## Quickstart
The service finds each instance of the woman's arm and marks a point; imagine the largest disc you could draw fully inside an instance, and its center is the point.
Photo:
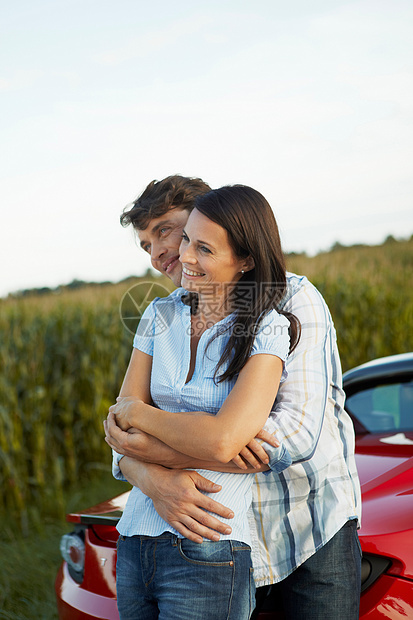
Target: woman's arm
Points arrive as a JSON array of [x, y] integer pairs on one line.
[[136, 384], [178, 496], [217, 437], [137, 381], [143, 447]]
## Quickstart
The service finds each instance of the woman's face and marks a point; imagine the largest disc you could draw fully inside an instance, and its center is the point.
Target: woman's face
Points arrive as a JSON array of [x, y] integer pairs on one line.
[[208, 261]]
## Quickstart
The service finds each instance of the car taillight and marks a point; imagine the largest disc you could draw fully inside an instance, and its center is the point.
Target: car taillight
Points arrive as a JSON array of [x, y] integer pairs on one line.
[[72, 548]]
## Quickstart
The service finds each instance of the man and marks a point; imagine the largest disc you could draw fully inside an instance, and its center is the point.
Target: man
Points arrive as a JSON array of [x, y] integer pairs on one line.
[[304, 518]]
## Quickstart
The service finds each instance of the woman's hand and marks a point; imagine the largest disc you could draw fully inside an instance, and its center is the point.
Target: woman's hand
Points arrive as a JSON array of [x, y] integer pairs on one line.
[[126, 412], [132, 443], [143, 447]]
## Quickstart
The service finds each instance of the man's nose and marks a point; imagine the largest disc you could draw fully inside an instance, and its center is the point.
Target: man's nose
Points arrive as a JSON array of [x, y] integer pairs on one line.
[[158, 249]]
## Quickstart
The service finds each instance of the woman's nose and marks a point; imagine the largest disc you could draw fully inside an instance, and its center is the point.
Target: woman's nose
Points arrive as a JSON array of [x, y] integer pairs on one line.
[[186, 254]]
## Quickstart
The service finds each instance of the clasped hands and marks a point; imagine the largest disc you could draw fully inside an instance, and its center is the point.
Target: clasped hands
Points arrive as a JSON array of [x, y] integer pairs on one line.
[[123, 436], [124, 409]]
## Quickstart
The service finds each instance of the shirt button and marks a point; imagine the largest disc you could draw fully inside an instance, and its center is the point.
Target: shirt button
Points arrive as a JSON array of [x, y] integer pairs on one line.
[[178, 400]]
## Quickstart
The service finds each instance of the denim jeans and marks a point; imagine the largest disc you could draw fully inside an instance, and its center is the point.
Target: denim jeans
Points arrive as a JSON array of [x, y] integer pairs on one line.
[[326, 586], [171, 578]]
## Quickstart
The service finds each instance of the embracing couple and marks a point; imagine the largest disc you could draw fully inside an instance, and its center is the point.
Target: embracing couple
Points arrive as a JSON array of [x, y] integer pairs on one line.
[[230, 425]]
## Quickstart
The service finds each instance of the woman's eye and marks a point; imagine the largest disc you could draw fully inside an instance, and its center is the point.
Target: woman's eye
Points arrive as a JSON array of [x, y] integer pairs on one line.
[[184, 237], [205, 250]]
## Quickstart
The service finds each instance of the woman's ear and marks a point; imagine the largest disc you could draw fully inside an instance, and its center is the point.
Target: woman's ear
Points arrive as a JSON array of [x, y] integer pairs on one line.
[[248, 264]]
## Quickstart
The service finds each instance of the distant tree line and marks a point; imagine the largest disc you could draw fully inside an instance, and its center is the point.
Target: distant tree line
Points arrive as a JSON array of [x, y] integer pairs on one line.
[[150, 273], [76, 285]]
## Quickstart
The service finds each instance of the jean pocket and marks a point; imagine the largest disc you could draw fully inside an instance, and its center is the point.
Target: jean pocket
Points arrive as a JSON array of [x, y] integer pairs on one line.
[[206, 553]]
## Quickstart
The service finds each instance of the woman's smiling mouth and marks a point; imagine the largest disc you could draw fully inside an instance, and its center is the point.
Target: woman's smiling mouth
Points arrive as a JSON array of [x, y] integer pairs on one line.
[[190, 273]]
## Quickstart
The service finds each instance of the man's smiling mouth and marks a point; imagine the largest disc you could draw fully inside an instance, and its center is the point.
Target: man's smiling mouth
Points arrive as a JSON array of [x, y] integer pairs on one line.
[[170, 263]]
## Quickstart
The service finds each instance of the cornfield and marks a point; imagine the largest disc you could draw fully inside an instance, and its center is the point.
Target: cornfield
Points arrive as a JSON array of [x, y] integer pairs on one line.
[[369, 291], [63, 358]]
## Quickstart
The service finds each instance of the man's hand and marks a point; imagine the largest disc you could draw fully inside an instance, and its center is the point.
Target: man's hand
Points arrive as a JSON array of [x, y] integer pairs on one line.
[[254, 453], [181, 503], [178, 498]]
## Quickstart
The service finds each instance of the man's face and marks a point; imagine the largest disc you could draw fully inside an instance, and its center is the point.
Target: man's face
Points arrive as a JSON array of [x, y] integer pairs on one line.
[[161, 239]]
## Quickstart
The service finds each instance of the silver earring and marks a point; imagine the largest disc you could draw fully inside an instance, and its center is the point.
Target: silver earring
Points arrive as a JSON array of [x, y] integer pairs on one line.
[[242, 271]]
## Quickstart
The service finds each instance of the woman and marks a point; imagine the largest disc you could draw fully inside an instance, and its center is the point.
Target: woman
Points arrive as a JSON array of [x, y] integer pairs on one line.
[[210, 358]]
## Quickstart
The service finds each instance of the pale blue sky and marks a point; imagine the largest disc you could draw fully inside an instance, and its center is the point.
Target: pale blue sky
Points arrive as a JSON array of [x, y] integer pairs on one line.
[[309, 102]]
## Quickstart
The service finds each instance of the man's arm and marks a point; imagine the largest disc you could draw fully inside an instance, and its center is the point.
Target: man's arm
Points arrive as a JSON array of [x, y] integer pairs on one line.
[[178, 497], [314, 378]]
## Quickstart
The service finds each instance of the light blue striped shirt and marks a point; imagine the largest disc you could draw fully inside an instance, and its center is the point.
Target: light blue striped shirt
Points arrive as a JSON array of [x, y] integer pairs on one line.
[[164, 333]]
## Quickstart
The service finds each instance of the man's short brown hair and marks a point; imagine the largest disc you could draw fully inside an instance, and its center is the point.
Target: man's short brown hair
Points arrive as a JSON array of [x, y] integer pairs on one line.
[[174, 192]]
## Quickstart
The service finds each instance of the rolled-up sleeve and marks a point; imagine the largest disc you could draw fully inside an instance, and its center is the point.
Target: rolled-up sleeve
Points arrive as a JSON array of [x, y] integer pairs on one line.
[[116, 471], [280, 458]]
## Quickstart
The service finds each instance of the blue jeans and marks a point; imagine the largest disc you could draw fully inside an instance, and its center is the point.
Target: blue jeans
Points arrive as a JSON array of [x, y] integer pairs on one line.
[[171, 578], [326, 586]]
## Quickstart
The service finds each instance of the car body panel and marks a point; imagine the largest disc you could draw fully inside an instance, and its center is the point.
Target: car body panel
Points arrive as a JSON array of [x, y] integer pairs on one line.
[[384, 368], [388, 598], [77, 603], [106, 512]]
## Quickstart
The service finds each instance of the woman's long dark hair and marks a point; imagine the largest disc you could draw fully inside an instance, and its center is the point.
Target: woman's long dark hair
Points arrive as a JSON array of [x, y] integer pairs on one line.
[[252, 231]]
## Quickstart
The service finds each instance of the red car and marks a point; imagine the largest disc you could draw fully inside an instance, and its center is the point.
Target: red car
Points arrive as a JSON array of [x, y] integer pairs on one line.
[[380, 401]]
